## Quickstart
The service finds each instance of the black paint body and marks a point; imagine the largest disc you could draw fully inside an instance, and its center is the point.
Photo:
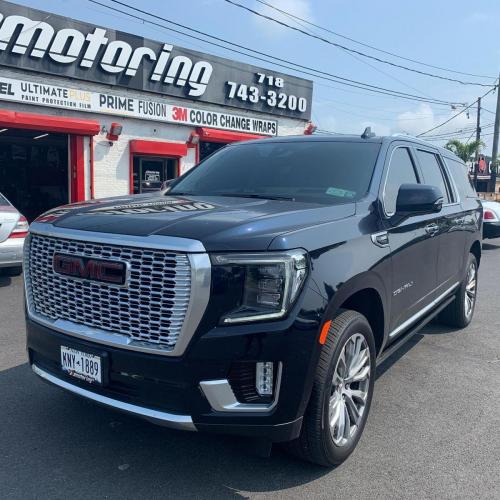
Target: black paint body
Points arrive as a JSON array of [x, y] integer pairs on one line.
[[347, 269]]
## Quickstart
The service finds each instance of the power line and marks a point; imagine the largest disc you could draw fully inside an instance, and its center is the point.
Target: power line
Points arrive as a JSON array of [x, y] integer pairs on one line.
[[458, 137], [304, 69], [444, 135], [459, 131], [444, 105], [470, 137], [289, 14], [343, 47], [301, 22], [458, 114]]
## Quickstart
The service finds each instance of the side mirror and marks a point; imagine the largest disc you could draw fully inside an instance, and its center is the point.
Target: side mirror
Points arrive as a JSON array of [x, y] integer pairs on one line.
[[418, 199], [166, 185]]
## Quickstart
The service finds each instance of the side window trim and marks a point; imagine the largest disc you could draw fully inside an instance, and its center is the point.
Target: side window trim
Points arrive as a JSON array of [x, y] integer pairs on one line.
[[440, 163], [450, 181], [387, 168]]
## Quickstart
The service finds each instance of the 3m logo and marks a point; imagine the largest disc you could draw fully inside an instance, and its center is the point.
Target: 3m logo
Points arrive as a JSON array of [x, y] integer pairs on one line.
[[105, 271]]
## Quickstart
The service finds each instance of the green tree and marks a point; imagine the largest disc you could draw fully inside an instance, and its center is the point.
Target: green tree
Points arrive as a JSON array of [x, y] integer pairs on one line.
[[464, 150]]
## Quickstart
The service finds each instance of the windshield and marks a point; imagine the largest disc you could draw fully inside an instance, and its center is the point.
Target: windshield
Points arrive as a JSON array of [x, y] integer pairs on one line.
[[308, 171]]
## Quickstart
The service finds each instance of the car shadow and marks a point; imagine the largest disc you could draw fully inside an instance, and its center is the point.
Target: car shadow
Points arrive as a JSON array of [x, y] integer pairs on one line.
[[73, 445], [491, 246], [397, 355], [5, 281]]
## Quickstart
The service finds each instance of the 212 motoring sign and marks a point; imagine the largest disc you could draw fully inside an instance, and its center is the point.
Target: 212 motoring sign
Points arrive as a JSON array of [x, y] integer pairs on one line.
[[46, 43]]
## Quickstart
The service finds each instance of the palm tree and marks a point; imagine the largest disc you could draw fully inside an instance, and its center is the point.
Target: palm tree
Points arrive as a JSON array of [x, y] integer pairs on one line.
[[464, 150]]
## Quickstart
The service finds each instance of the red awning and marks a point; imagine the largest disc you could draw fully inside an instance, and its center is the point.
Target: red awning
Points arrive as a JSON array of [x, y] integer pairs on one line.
[[214, 135], [48, 123], [158, 148]]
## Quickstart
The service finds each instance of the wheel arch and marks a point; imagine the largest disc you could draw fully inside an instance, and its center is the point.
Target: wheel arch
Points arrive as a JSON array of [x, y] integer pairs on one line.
[[365, 294], [475, 250]]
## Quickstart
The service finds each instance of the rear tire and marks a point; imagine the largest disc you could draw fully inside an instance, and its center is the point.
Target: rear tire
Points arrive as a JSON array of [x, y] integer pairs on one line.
[[342, 393], [12, 271], [460, 312]]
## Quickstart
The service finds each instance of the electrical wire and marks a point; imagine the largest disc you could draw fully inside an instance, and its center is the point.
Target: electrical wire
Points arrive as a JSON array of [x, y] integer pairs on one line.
[[459, 131], [343, 47], [301, 22], [289, 64], [458, 114], [455, 137], [289, 14]]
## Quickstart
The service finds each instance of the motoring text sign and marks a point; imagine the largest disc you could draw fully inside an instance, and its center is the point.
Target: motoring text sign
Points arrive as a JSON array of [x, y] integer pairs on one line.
[[46, 43]]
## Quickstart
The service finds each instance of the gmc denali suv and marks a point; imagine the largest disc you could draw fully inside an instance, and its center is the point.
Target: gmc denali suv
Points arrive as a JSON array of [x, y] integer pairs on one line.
[[256, 295]]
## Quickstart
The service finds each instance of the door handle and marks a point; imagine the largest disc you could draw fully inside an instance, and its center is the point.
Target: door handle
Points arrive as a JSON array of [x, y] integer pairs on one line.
[[432, 229]]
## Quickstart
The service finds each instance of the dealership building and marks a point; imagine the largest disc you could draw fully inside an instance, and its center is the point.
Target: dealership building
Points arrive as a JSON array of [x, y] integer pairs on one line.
[[88, 112]]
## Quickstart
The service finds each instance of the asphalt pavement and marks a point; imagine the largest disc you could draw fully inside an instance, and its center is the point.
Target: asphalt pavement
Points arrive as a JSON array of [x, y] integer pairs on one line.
[[433, 430]]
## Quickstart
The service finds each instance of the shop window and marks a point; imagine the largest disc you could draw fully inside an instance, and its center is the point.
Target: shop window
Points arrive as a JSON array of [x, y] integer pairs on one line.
[[151, 172], [34, 172], [207, 148]]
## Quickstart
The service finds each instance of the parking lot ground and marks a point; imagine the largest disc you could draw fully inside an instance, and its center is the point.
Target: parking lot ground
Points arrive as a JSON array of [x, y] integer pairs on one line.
[[433, 430]]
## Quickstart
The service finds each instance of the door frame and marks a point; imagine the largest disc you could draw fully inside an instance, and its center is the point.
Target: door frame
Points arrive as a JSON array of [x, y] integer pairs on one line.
[[159, 149], [76, 129]]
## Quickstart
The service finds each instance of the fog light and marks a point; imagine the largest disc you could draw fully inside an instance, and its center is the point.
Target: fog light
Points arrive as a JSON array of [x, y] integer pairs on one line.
[[264, 380]]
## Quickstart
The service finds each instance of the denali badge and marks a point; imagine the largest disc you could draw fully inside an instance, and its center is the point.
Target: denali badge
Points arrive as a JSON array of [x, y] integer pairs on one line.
[[105, 271]]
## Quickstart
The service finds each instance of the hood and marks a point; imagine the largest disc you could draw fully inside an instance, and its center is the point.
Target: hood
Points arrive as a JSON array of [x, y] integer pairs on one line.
[[220, 223]]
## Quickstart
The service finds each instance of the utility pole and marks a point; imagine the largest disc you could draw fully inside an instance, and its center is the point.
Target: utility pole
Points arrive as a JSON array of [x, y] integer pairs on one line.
[[478, 138], [494, 152]]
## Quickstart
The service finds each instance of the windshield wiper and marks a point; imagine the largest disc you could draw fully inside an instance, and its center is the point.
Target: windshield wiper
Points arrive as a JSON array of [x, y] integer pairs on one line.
[[257, 196]]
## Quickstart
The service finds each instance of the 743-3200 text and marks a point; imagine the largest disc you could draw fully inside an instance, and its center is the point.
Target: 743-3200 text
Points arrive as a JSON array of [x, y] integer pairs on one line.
[[272, 98]]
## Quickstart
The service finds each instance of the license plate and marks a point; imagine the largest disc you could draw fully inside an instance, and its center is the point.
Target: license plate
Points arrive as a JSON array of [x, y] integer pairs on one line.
[[81, 365]]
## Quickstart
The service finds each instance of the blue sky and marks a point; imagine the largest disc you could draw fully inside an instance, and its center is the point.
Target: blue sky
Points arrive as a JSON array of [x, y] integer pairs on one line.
[[456, 34]]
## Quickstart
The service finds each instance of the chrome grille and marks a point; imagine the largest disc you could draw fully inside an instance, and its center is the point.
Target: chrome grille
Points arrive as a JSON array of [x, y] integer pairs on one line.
[[151, 309]]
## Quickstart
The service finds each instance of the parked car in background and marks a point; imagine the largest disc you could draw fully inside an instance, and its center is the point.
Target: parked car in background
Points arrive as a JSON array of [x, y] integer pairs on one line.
[[491, 219], [13, 231]]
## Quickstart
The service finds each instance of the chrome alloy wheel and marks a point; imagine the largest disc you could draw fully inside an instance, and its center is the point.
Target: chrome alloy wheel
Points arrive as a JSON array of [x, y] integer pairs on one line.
[[350, 386], [470, 290]]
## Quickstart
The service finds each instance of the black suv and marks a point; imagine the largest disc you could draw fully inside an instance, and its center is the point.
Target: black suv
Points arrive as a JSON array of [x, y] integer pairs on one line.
[[257, 294]]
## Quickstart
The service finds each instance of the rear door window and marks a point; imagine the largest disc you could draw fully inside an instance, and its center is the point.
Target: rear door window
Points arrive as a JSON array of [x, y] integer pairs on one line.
[[401, 171], [433, 173], [460, 174]]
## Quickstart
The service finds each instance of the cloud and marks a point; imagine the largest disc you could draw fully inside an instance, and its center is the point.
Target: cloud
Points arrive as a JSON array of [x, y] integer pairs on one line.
[[299, 8], [424, 118]]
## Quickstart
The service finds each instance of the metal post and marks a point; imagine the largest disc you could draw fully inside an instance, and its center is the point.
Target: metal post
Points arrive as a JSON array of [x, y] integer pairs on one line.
[[494, 151], [478, 138]]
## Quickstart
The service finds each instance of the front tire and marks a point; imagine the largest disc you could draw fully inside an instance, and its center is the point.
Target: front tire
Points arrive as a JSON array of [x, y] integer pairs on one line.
[[342, 392], [460, 312], [12, 271]]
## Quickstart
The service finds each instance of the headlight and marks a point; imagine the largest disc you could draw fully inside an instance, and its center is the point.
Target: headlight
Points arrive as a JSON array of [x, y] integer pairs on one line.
[[271, 283]]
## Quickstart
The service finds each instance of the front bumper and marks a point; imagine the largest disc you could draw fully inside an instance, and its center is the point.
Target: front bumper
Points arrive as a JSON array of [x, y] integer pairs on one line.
[[182, 422], [491, 230], [11, 252], [169, 390]]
